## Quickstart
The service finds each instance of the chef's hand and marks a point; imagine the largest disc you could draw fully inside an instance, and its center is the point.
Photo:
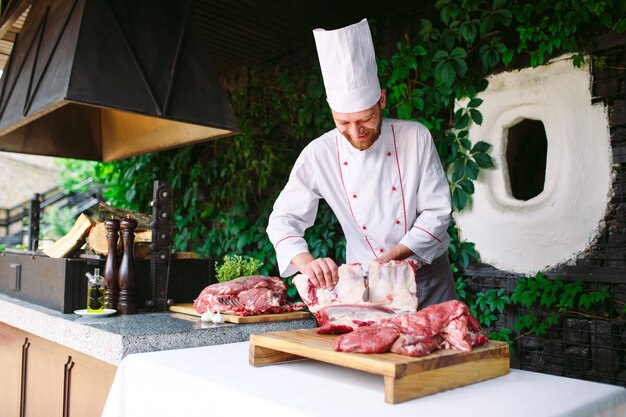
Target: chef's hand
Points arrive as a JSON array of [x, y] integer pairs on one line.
[[397, 253], [322, 272]]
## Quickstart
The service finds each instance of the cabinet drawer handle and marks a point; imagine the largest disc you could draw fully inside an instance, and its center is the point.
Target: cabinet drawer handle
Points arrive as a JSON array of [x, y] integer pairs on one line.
[[18, 276]]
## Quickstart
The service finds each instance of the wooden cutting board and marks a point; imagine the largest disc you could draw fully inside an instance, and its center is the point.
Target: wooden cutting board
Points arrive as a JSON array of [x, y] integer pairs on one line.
[[187, 308], [405, 377]]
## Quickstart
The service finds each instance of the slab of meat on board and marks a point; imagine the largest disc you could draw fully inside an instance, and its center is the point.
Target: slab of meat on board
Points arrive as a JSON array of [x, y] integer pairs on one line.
[[447, 325], [250, 295], [392, 290], [343, 318]]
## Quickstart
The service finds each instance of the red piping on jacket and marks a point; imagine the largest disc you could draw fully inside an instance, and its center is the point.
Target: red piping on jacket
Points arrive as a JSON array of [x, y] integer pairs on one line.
[[287, 237], [395, 147], [428, 233]]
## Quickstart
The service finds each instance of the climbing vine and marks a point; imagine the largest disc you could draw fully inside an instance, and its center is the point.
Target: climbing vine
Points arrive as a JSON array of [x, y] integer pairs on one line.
[[542, 302]]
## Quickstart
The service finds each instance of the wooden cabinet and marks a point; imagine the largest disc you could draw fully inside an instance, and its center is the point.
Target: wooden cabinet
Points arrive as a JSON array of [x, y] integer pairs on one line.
[[11, 370], [42, 378], [41, 391]]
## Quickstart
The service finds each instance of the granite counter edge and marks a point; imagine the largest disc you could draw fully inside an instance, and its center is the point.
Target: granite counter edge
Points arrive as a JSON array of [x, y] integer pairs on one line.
[[112, 347]]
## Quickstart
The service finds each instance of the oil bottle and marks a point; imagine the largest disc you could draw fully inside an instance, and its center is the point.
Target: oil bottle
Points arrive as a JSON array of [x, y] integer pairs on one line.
[[95, 292]]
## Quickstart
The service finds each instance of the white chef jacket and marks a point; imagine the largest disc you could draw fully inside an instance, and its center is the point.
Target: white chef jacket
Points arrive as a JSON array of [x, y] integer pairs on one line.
[[394, 192]]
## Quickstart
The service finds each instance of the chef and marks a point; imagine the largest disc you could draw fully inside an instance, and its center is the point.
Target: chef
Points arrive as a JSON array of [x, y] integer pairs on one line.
[[382, 178]]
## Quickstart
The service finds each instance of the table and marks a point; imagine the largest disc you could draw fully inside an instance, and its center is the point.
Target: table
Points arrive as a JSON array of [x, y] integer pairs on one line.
[[217, 380]]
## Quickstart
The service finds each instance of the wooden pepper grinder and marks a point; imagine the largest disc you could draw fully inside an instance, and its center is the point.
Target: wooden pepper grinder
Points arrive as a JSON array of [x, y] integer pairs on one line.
[[126, 276], [111, 292]]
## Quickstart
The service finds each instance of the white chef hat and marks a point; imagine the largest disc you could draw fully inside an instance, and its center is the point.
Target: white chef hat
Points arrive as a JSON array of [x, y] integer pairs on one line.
[[348, 67]]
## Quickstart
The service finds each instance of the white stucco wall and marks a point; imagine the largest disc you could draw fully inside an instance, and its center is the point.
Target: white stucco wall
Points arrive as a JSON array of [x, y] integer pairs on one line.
[[561, 222]]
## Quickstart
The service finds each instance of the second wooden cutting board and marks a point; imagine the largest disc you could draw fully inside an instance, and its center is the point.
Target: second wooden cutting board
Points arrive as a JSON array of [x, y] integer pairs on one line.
[[187, 308]]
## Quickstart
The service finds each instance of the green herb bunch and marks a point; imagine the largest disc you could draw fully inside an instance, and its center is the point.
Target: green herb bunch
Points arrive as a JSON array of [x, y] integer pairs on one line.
[[235, 266]]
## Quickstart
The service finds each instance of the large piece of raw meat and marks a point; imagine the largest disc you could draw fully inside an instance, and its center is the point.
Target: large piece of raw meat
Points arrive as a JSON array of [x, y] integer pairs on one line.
[[343, 318], [392, 290], [389, 320], [250, 295], [447, 325]]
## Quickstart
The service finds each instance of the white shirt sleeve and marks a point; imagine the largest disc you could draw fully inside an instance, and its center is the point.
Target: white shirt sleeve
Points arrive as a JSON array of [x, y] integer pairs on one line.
[[294, 211], [429, 231]]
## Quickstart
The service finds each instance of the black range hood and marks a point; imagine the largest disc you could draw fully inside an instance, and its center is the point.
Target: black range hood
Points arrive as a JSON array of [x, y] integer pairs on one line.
[[108, 79]]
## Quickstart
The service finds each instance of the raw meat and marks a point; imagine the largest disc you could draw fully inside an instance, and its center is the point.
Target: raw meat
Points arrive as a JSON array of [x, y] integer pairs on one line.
[[393, 285], [372, 339], [349, 289], [392, 290], [254, 294], [416, 344], [344, 318], [445, 325], [262, 300]]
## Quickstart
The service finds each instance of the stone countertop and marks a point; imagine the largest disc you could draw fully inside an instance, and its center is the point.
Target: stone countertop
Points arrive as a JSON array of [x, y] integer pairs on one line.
[[111, 338]]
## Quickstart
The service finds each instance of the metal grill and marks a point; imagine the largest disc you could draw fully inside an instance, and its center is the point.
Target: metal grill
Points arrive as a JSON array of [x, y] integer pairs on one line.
[[610, 248], [609, 89], [586, 345]]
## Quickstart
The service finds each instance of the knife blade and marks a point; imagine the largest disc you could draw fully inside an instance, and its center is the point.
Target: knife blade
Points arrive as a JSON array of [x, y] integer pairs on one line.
[[366, 291]]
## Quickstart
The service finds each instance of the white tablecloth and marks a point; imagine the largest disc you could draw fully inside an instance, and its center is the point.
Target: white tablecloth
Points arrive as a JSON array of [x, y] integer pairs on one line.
[[218, 381]]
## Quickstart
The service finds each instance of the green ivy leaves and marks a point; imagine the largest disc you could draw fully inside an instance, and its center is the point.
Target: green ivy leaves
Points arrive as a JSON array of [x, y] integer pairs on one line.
[[467, 160], [486, 306], [461, 253], [542, 302], [550, 27], [493, 52], [429, 73], [491, 304], [450, 65], [549, 300]]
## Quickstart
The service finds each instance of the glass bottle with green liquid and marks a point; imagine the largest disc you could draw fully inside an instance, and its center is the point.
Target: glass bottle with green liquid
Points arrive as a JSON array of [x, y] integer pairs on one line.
[[95, 292]]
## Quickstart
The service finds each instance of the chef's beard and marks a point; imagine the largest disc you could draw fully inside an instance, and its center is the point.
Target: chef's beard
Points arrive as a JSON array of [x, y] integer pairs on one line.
[[372, 136]]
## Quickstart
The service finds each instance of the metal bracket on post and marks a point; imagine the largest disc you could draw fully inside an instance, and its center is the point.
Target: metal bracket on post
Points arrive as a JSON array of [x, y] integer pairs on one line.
[[161, 246], [34, 216]]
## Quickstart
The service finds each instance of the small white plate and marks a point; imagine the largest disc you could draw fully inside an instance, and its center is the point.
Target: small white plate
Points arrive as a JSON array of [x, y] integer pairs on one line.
[[106, 312]]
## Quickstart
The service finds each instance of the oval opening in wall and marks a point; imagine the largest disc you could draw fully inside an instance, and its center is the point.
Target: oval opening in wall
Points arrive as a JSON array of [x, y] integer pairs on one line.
[[526, 154], [544, 202]]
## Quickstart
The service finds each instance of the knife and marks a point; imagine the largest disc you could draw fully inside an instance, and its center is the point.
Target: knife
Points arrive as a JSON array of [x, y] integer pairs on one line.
[[366, 291]]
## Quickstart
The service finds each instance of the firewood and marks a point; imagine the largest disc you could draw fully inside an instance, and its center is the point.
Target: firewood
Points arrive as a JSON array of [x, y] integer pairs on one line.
[[185, 255], [73, 240], [97, 241], [107, 212], [142, 250]]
